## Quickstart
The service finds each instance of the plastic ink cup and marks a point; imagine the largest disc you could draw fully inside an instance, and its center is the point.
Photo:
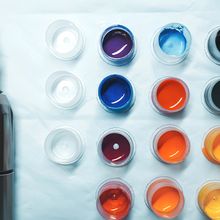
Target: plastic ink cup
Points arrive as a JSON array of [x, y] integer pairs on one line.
[[212, 46], [65, 90], [209, 199], [64, 146], [116, 93], [116, 147], [171, 145], [212, 96], [172, 43], [164, 196], [64, 40], [114, 199], [117, 45], [211, 145], [170, 95]]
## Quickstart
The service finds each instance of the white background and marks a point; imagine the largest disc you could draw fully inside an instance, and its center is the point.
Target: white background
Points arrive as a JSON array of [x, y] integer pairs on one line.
[[46, 191]]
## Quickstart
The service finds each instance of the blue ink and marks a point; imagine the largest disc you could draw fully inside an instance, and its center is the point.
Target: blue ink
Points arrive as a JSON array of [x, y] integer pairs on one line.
[[172, 41], [116, 93]]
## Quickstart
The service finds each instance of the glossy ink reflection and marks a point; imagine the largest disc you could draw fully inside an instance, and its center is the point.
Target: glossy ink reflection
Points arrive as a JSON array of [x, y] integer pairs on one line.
[[117, 46], [117, 43], [116, 147], [170, 95], [116, 93], [165, 198], [114, 200], [171, 145]]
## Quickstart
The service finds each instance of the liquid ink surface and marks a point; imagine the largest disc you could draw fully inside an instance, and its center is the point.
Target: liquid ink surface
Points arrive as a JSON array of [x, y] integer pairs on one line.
[[212, 146], [116, 148], [171, 95], [116, 92], [172, 41], [216, 94], [209, 200], [212, 205], [165, 200], [115, 202], [172, 147], [217, 41], [117, 43]]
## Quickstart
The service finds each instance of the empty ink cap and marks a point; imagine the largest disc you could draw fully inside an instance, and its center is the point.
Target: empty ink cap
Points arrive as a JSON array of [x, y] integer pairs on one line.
[[170, 95], [116, 93], [209, 199], [114, 199], [172, 43], [64, 146], [212, 96], [64, 40], [65, 90], [164, 197], [212, 46], [170, 145], [117, 45], [211, 145], [116, 147]]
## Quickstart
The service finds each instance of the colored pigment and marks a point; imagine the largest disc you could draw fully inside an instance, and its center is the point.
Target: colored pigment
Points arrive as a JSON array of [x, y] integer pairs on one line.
[[165, 200], [116, 93], [216, 94], [217, 41], [209, 200], [117, 43], [172, 41], [171, 95], [116, 148], [172, 147], [115, 202], [212, 146]]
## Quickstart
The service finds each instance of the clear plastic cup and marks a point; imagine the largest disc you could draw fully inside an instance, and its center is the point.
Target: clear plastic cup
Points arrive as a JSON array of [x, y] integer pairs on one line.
[[170, 145], [114, 199], [64, 146], [208, 199], [169, 95], [64, 40], [211, 145], [211, 96], [65, 90], [164, 197], [117, 45], [171, 43], [116, 147], [212, 45]]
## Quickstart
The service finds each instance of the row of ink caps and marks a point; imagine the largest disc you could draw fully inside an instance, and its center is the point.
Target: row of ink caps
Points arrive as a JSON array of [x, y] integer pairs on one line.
[[163, 196]]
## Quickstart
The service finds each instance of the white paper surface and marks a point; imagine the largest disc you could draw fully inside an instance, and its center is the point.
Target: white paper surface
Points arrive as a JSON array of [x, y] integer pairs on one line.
[[51, 192]]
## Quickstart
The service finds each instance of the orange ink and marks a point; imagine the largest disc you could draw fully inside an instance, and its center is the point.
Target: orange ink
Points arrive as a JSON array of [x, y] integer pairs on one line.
[[211, 148], [171, 145], [114, 200], [171, 95], [209, 199], [165, 198]]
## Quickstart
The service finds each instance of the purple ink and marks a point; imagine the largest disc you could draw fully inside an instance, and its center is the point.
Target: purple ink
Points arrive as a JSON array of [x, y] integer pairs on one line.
[[117, 45]]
